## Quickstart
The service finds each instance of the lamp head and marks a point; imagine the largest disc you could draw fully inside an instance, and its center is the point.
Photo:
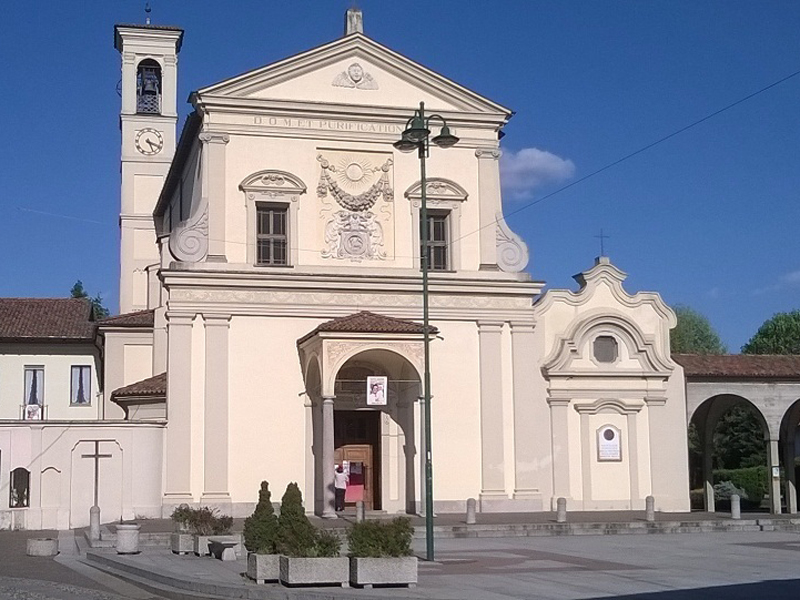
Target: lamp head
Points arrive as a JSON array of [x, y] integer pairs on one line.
[[445, 139], [416, 131], [404, 144]]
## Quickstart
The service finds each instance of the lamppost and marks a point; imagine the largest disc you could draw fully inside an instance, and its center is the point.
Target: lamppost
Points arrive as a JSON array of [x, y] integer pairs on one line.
[[417, 137]]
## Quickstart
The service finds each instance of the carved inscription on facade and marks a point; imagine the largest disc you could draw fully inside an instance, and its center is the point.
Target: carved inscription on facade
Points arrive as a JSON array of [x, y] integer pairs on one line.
[[329, 125]]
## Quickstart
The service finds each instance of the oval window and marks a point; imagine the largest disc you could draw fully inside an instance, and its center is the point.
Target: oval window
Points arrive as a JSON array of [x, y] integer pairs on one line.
[[605, 349]]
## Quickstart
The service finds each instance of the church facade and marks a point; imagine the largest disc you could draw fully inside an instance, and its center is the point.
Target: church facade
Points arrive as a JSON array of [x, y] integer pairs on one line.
[[270, 271]]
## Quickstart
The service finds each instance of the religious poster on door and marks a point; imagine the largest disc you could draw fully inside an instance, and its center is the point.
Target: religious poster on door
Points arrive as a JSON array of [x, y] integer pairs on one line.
[[376, 390], [609, 444]]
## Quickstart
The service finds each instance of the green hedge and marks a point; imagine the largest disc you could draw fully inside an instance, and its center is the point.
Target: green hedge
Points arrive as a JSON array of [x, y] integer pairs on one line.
[[753, 480]]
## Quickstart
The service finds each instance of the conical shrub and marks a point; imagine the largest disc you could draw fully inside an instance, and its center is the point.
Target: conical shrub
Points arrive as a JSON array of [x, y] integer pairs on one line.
[[296, 535], [261, 528]]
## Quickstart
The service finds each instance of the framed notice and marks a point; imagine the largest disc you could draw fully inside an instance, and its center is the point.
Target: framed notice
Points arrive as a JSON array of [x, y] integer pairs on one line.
[[376, 390], [609, 444]]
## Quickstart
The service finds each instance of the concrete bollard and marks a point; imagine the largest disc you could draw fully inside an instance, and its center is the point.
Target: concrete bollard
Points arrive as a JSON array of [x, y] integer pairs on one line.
[[736, 506], [94, 523], [359, 511], [650, 509], [128, 538], [561, 510], [471, 511]]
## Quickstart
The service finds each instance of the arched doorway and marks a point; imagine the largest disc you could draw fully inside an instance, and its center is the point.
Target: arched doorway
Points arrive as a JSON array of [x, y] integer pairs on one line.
[[376, 443], [728, 434]]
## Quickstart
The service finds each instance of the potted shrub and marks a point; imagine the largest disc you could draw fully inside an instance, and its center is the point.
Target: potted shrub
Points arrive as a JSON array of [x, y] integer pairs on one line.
[[260, 533], [208, 524], [182, 540], [308, 556], [380, 553]]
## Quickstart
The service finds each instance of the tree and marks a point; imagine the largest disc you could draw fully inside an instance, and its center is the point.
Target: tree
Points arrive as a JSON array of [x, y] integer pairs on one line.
[[778, 335], [98, 310], [694, 334], [261, 528]]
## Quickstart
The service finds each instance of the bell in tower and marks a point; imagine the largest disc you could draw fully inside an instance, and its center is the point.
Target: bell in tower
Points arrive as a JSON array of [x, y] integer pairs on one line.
[[148, 87]]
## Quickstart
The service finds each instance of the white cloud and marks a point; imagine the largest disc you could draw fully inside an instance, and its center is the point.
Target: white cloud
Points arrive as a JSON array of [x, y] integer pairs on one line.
[[788, 280], [522, 172], [792, 278]]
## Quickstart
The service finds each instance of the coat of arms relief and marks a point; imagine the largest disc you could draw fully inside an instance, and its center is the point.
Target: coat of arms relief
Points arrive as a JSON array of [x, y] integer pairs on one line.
[[361, 186]]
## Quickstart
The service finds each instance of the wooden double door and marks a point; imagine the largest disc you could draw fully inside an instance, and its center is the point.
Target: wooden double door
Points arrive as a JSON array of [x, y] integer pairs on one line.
[[357, 448]]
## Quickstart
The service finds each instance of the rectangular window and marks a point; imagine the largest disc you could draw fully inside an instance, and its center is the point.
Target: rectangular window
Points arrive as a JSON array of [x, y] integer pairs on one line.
[[81, 386], [438, 241], [271, 238], [34, 393]]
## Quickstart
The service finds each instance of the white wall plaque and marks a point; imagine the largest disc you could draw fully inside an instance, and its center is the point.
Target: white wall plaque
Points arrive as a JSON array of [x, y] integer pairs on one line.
[[609, 444], [376, 391]]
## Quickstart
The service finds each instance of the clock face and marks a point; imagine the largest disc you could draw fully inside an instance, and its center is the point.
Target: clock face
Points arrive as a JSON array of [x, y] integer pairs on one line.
[[149, 141]]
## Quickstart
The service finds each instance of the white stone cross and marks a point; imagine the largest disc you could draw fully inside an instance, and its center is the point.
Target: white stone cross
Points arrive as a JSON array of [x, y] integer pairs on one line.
[[96, 456]]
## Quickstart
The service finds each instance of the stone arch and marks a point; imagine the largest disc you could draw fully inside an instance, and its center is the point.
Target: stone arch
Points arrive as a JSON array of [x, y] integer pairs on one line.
[[705, 418], [789, 441], [408, 352]]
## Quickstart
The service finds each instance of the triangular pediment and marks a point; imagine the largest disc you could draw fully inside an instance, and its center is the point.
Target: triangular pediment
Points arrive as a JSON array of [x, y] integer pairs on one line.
[[353, 70]]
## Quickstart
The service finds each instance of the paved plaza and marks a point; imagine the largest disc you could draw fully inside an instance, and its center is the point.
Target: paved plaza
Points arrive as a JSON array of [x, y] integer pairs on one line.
[[730, 566]]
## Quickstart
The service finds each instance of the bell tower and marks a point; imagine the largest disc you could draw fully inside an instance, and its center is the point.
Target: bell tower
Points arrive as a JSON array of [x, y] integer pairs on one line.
[[148, 120]]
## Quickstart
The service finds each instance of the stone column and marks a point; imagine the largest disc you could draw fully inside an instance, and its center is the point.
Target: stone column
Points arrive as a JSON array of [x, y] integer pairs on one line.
[[788, 461], [708, 460], [419, 438], [493, 493], [213, 191], [774, 482], [489, 203], [559, 424], [177, 483], [215, 423], [527, 494], [328, 508]]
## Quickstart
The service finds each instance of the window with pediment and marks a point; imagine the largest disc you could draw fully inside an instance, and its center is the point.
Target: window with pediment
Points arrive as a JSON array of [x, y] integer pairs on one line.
[[272, 199], [443, 199]]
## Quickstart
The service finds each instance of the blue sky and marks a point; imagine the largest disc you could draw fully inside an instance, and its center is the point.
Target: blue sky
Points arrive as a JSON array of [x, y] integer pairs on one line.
[[708, 218]]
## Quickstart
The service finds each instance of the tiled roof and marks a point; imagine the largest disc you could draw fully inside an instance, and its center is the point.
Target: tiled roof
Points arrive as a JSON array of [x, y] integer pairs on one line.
[[46, 319], [142, 318], [367, 322], [740, 366], [152, 386]]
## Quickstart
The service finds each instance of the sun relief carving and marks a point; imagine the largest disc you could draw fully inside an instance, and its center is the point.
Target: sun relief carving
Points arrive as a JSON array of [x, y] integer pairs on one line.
[[357, 183]]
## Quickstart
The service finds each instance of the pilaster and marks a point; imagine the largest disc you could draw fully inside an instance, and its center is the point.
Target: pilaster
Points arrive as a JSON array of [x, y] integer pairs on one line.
[[559, 425], [527, 493], [215, 435], [177, 484], [213, 183], [493, 495], [490, 204]]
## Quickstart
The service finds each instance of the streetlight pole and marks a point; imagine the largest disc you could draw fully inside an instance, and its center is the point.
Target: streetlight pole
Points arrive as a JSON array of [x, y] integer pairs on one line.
[[416, 136]]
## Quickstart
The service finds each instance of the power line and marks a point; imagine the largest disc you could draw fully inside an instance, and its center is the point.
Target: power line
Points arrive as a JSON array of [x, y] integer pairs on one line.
[[532, 203]]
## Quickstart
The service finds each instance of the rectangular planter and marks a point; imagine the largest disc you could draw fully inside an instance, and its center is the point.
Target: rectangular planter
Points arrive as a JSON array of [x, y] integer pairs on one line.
[[201, 543], [181, 543], [263, 567], [366, 572], [314, 571]]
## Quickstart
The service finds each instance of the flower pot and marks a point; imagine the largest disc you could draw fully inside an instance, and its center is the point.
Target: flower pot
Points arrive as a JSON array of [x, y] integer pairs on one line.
[[263, 567], [314, 571], [201, 543], [181, 543], [366, 572], [128, 538]]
